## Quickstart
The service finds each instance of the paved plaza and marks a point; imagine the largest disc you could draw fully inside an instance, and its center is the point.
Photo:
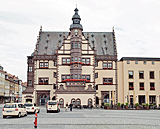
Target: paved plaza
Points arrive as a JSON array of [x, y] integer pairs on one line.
[[86, 119]]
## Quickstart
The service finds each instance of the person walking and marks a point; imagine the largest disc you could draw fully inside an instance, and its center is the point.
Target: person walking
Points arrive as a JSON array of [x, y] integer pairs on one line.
[[66, 107], [71, 105]]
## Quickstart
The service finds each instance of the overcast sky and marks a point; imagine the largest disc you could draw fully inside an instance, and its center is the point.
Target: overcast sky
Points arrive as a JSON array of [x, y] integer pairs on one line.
[[136, 22]]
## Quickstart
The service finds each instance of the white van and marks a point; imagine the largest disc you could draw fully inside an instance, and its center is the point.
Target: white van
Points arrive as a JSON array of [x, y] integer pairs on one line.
[[52, 106], [14, 109]]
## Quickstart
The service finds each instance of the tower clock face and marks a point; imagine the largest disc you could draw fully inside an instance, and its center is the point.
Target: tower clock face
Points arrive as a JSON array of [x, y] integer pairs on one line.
[[76, 32]]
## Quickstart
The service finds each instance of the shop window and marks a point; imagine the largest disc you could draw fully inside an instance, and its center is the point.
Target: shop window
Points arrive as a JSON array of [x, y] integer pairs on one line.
[[151, 74], [141, 74], [130, 73], [131, 86]]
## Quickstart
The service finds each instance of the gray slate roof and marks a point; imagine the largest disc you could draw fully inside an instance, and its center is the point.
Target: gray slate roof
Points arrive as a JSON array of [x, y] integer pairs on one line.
[[103, 41]]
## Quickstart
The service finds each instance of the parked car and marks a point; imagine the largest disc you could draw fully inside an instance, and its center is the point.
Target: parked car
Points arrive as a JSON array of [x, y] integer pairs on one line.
[[52, 106], [14, 109], [31, 108]]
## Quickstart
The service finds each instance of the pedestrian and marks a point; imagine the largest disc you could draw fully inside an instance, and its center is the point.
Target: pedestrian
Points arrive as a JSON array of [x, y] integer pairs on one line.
[[66, 106], [71, 105]]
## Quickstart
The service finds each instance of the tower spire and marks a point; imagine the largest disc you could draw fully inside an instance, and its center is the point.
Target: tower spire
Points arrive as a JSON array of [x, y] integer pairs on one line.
[[76, 21]]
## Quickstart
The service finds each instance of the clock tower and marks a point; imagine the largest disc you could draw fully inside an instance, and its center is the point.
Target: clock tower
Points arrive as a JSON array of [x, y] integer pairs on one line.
[[76, 46]]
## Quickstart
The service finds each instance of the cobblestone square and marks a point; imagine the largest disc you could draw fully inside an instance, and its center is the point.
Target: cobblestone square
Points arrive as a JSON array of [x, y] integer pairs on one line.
[[86, 119]]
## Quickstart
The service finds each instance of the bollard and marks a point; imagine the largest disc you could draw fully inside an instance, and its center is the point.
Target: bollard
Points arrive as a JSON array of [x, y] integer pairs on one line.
[[35, 121]]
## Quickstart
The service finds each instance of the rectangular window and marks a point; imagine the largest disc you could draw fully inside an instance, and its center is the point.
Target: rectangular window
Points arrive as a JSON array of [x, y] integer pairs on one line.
[[72, 59], [88, 77], [72, 46], [151, 74], [43, 81], [153, 62], [30, 69], [55, 75], [29, 82], [105, 65], [72, 76], [76, 45], [107, 81], [110, 66], [68, 61], [68, 76], [76, 76], [130, 74], [128, 62], [96, 64], [152, 87], [79, 77], [41, 64], [46, 64], [131, 86], [79, 59], [96, 75], [76, 59], [55, 63], [63, 77], [79, 45], [141, 74], [83, 77], [136, 62], [46, 81], [87, 61], [141, 85], [83, 61], [63, 60], [144, 62]]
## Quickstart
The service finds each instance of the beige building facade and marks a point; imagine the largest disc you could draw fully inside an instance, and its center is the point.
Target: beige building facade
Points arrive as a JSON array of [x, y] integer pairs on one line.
[[139, 80]]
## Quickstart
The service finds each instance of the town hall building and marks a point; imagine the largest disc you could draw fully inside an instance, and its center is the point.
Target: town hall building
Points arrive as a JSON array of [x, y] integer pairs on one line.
[[75, 67]]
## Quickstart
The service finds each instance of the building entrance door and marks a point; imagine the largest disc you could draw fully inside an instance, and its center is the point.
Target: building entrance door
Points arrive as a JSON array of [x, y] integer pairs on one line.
[[131, 99], [141, 99]]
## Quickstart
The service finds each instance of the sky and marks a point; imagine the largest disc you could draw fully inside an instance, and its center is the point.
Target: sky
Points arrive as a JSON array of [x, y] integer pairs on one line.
[[136, 24]]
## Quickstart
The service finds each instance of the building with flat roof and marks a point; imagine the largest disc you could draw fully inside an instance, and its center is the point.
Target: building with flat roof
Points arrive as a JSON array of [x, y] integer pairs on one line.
[[139, 80]]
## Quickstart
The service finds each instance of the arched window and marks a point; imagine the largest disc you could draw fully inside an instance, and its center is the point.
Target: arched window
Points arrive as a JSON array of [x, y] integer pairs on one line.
[[73, 101], [78, 102], [89, 101]]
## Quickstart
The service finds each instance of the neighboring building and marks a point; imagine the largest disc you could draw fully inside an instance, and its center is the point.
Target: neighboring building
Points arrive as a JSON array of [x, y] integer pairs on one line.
[[76, 66], [22, 87], [139, 80], [2, 84], [9, 87]]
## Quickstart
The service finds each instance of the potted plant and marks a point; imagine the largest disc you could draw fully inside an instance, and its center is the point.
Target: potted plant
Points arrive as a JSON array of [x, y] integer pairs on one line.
[[108, 106], [127, 105], [105, 105], [137, 105], [147, 106], [119, 104]]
